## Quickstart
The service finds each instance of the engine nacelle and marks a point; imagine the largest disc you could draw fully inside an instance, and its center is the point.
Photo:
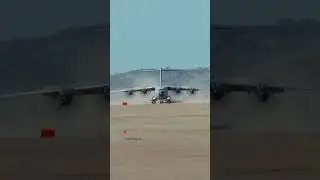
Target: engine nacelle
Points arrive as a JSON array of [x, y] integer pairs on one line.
[[106, 93], [66, 97], [217, 92], [129, 93], [192, 91], [262, 94], [144, 92], [216, 95]]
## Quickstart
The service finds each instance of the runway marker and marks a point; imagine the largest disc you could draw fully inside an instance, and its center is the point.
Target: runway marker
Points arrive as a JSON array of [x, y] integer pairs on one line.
[[133, 138], [48, 133], [124, 103], [125, 132]]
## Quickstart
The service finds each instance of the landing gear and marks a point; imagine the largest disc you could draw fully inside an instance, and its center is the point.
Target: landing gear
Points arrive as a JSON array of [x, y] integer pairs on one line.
[[168, 100], [161, 101], [153, 100]]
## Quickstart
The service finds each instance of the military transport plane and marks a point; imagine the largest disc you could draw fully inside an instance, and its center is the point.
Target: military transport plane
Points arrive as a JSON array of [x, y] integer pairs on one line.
[[66, 96], [219, 89], [162, 92]]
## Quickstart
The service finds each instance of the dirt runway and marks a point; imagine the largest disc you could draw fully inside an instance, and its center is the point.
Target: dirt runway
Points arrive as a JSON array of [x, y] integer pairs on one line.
[[265, 156], [277, 140], [162, 141], [79, 151]]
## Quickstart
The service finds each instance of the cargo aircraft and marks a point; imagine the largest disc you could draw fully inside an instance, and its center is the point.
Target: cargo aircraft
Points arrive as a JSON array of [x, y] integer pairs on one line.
[[162, 91]]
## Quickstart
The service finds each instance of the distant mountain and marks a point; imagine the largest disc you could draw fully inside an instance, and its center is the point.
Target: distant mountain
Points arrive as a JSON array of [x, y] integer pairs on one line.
[[74, 55], [198, 78], [288, 51]]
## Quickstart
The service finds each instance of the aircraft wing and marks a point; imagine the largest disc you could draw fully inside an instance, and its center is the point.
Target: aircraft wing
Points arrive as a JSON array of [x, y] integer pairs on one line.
[[178, 88], [145, 89], [82, 90], [252, 87]]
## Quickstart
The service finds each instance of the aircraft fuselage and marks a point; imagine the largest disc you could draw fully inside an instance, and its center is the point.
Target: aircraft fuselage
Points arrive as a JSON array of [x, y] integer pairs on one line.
[[162, 95]]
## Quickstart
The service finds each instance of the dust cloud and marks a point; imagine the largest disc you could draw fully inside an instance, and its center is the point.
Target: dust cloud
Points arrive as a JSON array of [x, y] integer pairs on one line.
[[138, 98]]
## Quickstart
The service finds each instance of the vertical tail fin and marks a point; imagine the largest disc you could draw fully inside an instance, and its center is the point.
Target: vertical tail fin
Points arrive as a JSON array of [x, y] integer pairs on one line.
[[160, 80], [161, 70]]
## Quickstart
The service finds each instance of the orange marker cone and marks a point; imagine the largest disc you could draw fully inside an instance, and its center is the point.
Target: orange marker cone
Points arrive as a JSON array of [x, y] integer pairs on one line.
[[47, 133], [124, 103]]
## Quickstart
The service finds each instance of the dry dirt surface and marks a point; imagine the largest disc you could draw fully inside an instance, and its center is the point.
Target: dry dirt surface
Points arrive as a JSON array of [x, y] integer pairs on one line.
[[79, 151], [60, 158], [265, 156], [160, 141], [276, 140]]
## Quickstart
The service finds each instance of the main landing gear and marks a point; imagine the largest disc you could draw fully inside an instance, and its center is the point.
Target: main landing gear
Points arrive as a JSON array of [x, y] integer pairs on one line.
[[161, 101]]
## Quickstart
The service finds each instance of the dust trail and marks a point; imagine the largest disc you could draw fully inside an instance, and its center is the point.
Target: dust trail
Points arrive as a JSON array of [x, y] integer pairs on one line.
[[200, 97], [203, 96], [138, 98]]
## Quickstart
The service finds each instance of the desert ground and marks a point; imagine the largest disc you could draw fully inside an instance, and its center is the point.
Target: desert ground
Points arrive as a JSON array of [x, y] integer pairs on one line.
[[277, 140], [265, 156], [160, 141], [79, 151]]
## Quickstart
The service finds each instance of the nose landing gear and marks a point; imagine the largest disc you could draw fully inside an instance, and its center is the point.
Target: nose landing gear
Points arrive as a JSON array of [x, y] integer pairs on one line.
[[168, 100]]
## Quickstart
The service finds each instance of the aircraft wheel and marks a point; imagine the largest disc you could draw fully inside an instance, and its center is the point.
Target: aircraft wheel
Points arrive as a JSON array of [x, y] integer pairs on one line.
[[153, 100], [168, 100]]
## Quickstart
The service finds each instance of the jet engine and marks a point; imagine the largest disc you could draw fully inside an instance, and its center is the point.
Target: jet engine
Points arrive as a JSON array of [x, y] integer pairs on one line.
[[144, 92], [106, 93], [262, 94], [178, 91], [66, 97], [192, 91], [217, 91], [129, 93]]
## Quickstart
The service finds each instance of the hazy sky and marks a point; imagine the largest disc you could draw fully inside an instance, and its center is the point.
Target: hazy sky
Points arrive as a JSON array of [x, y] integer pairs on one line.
[[261, 11], [159, 33], [21, 18]]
